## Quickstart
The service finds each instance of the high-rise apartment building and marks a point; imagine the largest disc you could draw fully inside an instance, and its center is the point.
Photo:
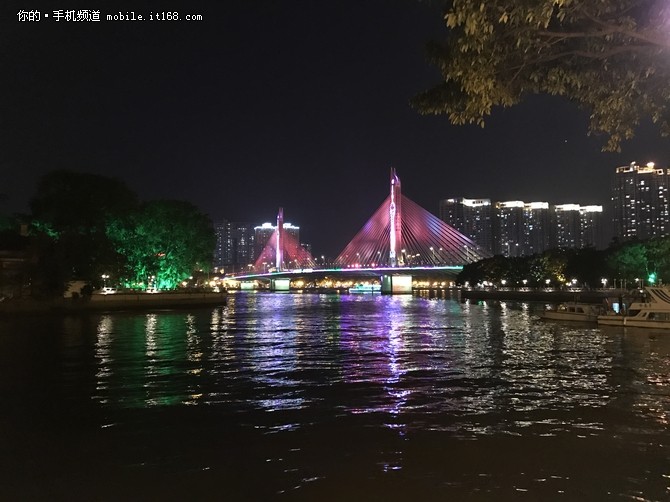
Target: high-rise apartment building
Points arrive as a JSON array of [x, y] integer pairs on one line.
[[516, 228], [591, 226], [266, 230], [640, 201], [536, 231], [234, 245], [566, 223], [471, 217], [508, 228], [576, 226]]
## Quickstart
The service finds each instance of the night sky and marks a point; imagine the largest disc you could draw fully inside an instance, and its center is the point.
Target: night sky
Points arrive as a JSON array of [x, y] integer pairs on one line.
[[300, 104]]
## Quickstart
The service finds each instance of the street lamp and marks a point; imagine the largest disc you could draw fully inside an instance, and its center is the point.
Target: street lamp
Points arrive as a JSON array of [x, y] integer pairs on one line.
[[604, 281]]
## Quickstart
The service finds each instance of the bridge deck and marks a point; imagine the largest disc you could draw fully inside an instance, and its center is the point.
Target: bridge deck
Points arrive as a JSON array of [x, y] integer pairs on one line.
[[448, 271]]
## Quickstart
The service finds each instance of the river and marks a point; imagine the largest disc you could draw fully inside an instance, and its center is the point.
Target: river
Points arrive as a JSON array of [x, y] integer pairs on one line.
[[332, 397]]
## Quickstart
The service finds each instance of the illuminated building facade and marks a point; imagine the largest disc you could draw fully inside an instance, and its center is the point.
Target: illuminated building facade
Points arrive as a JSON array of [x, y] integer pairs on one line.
[[234, 245], [566, 226], [278, 247], [517, 228], [577, 226], [508, 228], [263, 233], [536, 229], [471, 217], [591, 226], [640, 201]]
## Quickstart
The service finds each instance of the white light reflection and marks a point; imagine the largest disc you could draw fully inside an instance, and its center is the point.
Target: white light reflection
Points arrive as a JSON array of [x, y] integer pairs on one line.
[[103, 356], [150, 337], [272, 354]]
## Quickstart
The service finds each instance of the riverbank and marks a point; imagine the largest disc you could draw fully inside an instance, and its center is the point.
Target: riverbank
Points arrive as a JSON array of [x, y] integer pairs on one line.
[[542, 295], [118, 301]]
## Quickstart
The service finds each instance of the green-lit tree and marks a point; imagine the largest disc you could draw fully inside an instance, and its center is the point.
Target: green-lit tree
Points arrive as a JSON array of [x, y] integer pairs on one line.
[[629, 261], [611, 57], [163, 242], [658, 259]]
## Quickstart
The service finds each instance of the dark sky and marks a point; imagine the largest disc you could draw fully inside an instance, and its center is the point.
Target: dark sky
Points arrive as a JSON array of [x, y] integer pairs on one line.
[[300, 104]]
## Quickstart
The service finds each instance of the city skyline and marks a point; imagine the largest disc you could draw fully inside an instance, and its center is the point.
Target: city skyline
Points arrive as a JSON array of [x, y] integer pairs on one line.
[[261, 106]]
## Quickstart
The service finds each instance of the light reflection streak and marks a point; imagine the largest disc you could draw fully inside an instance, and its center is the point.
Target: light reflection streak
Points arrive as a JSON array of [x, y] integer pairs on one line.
[[420, 360], [273, 356], [103, 354]]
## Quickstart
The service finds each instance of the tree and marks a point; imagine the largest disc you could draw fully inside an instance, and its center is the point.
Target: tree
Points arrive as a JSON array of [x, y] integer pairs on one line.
[[658, 257], [587, 265], [163, 242], [629, 261], [70, 211], [611, 57]]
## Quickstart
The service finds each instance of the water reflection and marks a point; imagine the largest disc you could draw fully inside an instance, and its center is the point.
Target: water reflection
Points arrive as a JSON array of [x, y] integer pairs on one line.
[[426, 357], [148, 360], [390, 372], [335, 396]]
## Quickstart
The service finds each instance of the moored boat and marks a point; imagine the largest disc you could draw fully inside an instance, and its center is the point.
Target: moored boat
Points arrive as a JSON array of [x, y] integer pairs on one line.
[[574, 311], [652, 311], [366, 288]]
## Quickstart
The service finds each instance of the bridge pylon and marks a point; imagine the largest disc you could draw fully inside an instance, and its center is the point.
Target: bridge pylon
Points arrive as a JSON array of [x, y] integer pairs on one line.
[[395, 218], [279, 255]]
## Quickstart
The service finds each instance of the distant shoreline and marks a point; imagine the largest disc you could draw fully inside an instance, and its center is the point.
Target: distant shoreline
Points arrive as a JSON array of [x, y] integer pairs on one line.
[[115, 302], [553, 296]]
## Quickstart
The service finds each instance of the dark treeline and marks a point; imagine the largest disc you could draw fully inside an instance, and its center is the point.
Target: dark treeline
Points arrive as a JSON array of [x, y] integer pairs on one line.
[[94, 228], [629, 263]]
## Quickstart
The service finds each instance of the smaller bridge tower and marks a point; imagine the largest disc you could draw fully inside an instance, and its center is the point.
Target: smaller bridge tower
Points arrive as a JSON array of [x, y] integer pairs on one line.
[[279, 258]]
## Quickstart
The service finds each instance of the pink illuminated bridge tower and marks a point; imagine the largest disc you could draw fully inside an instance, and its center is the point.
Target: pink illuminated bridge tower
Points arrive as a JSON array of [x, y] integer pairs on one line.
[[401, 235]]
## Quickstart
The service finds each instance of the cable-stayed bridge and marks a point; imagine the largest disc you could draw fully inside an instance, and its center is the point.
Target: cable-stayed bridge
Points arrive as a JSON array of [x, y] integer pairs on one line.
[[400, 241]]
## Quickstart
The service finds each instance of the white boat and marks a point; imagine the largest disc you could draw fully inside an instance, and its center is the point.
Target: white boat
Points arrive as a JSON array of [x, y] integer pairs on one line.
[[366, 288], [652, 311], [574, 311]]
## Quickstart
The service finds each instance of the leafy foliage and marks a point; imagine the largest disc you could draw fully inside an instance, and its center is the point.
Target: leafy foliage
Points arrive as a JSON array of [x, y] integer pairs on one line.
[[163, 242], [611, 57], [629, 261], [70, 211], [624, 263], [69, 201], [87, 225]]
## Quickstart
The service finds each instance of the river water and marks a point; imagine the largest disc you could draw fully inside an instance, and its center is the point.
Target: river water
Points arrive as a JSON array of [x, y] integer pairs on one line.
[[329, 397]]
